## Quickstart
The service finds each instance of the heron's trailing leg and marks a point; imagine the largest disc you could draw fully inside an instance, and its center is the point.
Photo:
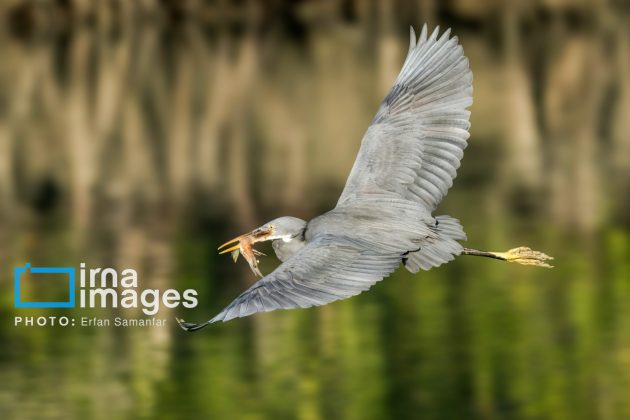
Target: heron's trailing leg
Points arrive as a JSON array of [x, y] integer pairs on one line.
[[522, 255]]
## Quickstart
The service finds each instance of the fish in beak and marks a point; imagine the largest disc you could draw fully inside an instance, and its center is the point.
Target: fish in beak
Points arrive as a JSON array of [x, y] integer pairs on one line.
[[244, 245]]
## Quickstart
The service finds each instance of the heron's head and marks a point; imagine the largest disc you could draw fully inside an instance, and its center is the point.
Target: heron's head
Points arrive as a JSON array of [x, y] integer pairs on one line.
[[283, 228]]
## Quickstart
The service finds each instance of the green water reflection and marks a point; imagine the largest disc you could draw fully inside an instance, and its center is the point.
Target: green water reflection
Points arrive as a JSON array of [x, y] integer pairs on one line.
[[472, 339]]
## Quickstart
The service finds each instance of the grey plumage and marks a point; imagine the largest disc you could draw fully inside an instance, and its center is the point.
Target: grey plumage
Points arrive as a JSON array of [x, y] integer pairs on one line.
[[406, 164], [415, 143], [294, 229], [328, 268]]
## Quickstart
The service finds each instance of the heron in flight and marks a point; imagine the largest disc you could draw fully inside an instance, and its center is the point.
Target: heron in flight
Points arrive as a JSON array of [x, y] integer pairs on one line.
[[406, 163]]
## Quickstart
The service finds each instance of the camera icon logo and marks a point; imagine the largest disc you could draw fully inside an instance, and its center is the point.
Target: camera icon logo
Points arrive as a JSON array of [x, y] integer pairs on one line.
[[68, 272]]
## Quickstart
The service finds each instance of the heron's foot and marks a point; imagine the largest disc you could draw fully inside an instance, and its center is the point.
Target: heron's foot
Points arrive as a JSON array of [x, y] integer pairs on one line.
[[526, 256]]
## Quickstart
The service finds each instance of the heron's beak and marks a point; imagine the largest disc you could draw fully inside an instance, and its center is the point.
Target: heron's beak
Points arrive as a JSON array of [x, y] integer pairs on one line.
[[256, 235], [236, 240]]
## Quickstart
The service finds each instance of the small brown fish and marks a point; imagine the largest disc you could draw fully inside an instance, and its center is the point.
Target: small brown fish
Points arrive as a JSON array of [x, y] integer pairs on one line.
[[245, 247]]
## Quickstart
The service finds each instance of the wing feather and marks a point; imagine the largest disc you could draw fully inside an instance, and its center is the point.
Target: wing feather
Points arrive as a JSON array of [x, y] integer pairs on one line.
[[414, 146], [327, 269]]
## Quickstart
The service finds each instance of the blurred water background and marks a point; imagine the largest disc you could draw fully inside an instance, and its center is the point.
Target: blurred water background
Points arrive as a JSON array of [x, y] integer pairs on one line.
[[144, 134]]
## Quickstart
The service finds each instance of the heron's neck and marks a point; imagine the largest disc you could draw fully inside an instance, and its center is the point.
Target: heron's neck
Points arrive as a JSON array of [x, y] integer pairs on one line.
[[285, 247]]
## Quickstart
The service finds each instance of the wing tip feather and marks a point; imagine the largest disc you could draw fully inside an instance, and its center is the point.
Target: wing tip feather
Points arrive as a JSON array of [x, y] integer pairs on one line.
[[423, 33], [412, 39]]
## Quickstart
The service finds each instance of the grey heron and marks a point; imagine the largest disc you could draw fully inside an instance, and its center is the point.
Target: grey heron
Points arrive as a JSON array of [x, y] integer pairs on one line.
[[406, 163]]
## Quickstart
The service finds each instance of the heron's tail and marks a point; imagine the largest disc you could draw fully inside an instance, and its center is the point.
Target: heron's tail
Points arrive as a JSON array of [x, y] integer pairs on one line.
[[434, 252]]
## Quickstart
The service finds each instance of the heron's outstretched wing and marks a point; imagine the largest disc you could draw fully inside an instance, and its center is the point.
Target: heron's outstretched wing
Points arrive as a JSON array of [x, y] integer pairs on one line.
[[327, 269], [415, 143]]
